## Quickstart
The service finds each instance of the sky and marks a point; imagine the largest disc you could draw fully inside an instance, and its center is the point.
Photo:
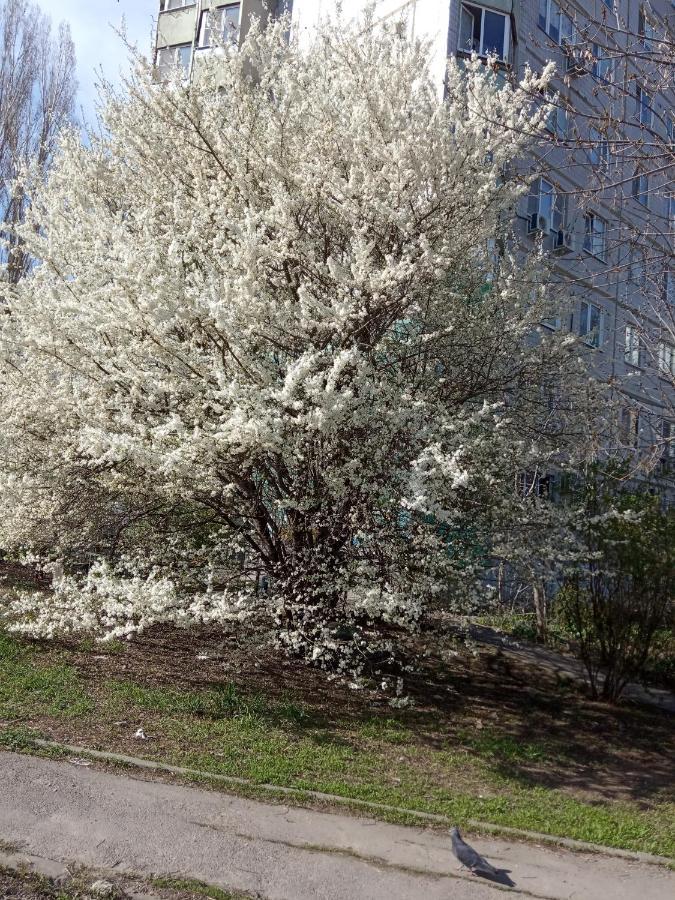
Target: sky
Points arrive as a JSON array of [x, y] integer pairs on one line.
[[96, 44]]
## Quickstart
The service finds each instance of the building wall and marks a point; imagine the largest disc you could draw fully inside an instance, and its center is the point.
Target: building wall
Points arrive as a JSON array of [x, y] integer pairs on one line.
[[611, 283]]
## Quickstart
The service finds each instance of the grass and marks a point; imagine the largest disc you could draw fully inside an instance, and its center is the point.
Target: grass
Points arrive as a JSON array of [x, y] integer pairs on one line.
[[195, 888], [25, 885], [481, 773], [30, 886], [29, 689]]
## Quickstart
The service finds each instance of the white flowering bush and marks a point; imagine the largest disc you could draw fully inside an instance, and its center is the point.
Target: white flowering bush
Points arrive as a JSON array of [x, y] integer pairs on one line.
[[267, 358]]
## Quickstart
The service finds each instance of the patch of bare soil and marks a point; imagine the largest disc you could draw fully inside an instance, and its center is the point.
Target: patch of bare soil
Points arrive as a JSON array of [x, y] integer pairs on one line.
[[517, 718]]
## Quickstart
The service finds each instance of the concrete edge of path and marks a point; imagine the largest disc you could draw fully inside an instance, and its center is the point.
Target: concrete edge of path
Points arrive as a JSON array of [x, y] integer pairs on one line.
[[20, 862], [335, 799]]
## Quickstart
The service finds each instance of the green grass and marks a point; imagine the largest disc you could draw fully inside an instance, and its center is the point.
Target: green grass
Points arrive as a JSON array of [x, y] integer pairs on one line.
[[505, 748], [27, 884], [199, 888], [478, 774], [29, 689]]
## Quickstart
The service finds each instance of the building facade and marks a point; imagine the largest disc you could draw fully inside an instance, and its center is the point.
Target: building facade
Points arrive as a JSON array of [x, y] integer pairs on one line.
[[602, 203]]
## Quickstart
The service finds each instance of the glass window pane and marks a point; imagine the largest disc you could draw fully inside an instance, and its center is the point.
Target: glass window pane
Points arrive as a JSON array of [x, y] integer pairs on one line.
[[466, 31], [595, 318], [546, 200], [493, 33], [554, 21]]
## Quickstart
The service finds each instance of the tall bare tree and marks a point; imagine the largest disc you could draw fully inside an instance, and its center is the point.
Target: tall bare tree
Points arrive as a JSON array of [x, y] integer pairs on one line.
[[37, 96]]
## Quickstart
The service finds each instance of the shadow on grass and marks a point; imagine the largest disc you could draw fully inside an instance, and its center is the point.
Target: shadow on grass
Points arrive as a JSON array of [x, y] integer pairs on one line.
[[514, 725]]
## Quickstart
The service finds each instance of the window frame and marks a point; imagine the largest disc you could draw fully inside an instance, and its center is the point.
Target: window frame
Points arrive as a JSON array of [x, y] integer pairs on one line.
[[668, 438], [544, 22], [637, 268], [591, 234], [642, 108], [665, 359], [557, 121], [175, 48], [599, 154], [629, 427], [639, 193], [163, 5], [506, 34], [646, 29], [632, 347], [204, 20], [669, 122], [669, 287], [557, 204], [601, 64], [593, 337]]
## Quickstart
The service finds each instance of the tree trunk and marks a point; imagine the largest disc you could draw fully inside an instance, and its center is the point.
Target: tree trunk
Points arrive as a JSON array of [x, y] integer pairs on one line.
[[540, 609]]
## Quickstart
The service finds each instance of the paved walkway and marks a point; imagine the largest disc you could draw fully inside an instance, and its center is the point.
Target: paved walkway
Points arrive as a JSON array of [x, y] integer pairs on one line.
[[69, 813]]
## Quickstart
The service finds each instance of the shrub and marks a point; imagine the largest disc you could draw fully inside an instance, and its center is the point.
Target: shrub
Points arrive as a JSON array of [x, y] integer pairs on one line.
[[620, 600]]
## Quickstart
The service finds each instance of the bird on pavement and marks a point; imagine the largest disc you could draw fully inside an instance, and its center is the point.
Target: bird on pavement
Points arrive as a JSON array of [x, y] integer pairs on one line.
[[469, 858]]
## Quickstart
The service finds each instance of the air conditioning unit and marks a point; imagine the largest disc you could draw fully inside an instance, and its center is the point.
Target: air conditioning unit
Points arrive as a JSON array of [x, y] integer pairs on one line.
[[562, 241]]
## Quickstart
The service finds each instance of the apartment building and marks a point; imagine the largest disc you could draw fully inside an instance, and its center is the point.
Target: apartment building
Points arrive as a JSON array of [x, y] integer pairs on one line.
[[604, 213]]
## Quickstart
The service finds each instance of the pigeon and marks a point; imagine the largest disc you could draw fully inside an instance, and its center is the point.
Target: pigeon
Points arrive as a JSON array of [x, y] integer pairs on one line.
[[470, 858]]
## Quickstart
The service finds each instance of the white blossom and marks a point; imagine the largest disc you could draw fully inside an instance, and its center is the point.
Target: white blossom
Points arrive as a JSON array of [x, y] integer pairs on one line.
[[259, 364]]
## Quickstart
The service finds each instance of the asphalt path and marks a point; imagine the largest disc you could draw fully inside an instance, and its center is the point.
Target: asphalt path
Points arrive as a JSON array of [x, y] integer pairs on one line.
[[68, 813]]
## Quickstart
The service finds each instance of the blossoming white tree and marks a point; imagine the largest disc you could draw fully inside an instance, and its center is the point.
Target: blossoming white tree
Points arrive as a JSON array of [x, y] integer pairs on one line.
[[269, 355]]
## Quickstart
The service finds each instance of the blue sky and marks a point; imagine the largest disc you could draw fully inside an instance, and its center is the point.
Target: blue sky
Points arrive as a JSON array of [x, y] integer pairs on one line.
[[96, 43]]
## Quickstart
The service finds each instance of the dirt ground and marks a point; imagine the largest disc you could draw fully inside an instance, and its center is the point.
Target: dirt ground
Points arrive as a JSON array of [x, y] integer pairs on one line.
[[592, 750]]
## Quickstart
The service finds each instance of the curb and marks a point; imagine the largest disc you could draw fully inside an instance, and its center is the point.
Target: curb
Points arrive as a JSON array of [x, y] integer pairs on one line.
[[335, 799], [26, 862]]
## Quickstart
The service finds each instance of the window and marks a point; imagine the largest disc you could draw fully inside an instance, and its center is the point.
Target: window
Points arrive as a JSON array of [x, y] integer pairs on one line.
[[601, 63], [222, 21], [493, 256], [646, 30], [169, 57], [595, 234], [599, 153], [568, 39], [637, 271], [166, 5], [591, 324], [553, 323], [668, 436], [643, 108], [666, 358], [484, 32], [532, 484], [671, 212], [632, 346], [556, 121], [546, 208], [669, 287], [555, 23], [629, 428], [640, 188]]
